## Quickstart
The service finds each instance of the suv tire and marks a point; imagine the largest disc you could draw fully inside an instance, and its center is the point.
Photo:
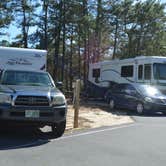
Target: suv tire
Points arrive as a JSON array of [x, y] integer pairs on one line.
[[112, 104], [140, 108]]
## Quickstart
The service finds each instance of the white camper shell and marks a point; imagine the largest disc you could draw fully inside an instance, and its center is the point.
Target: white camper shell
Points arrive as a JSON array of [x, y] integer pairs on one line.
[[22, 59], [142, 69]]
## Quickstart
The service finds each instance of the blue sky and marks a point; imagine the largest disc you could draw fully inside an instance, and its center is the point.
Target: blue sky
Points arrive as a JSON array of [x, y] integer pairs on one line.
[[12, 31]]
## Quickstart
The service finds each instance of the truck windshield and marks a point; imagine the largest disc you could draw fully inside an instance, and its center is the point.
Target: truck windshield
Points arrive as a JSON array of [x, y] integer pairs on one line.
[[26, 78], [159, 71]]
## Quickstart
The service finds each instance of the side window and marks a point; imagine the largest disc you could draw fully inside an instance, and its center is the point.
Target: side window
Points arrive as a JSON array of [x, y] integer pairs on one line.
[[127, 71], [116, 89], [96, 73], [119, 88], [130, 87], [140, 72], [130, 90], [0, 74], [147, 71]]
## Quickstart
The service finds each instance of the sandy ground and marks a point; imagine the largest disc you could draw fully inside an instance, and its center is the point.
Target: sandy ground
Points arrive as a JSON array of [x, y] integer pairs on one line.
[[93, 115]]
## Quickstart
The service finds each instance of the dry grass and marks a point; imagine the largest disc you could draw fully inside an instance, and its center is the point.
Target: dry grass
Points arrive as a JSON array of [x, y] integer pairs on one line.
[[92, 115]]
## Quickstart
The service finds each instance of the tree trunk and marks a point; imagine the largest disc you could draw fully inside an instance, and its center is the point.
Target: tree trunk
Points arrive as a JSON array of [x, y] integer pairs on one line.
[[57, 33], [79, 55], [98, 22], [71, 59], [115, 40], [130, 44], [85, 13], [64, 39], [45, 7], [56, 54], [25, 36]]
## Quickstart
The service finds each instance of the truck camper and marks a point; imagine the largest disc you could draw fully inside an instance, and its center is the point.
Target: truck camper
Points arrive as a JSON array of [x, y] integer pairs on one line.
[[28, 94], [21, 58]]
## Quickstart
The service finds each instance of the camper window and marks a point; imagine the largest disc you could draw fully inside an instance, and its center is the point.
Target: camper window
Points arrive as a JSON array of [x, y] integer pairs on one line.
[[96, 73], [140, 72], [127, 71], [159, 71], [147, 71]]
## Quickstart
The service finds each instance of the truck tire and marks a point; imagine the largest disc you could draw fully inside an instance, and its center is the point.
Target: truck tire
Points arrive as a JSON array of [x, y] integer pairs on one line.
[[58, 129]]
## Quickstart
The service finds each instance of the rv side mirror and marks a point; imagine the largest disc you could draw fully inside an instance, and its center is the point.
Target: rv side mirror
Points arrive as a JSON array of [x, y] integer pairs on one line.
[[59, 84]]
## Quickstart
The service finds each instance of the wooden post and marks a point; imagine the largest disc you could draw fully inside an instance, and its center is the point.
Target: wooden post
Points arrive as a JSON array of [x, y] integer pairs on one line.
[[76, 102]]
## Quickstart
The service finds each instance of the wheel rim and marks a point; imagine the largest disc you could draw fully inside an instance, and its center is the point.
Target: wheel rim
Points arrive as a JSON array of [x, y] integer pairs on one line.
[[112, 104], [140, 108]]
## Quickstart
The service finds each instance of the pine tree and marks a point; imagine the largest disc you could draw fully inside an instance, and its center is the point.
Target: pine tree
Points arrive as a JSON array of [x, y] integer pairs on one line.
[[25, 18], [6, 15]]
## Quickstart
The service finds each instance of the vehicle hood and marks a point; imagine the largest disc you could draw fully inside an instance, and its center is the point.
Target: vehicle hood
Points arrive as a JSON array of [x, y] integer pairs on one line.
[[160, 97], [33, 90]]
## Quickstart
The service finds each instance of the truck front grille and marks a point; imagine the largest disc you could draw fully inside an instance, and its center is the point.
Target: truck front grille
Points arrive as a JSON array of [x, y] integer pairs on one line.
[[32, 101]]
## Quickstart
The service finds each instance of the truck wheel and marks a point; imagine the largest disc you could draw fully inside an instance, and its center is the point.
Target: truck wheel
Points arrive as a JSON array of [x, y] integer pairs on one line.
[[59, 129]]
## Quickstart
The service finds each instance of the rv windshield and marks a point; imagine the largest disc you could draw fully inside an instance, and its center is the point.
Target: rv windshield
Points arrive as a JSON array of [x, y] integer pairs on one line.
[[26, 78], [159, 71]]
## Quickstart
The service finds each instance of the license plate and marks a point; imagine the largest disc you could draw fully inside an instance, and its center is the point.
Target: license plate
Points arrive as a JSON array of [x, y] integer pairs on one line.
[[32, 113]]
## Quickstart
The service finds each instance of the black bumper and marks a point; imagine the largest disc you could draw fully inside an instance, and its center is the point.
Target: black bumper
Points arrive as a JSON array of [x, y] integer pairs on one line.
[[47, 115], [153, 107]]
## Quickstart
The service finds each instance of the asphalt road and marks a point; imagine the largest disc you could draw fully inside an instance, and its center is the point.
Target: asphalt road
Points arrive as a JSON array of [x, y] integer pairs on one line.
[[141, 143]]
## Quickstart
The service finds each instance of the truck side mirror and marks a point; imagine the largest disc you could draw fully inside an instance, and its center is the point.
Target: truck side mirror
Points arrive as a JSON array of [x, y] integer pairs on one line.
[[59, 84]]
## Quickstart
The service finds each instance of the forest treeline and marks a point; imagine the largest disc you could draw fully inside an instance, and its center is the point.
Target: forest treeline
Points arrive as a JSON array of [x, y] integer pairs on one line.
[[79, 32]]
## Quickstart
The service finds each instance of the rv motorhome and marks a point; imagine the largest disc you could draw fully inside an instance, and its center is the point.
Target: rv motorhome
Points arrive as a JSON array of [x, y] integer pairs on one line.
[[138, 70]]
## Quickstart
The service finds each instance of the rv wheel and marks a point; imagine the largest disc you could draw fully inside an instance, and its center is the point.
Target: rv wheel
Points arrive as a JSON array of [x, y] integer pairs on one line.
[[140, 108], [112, 104]]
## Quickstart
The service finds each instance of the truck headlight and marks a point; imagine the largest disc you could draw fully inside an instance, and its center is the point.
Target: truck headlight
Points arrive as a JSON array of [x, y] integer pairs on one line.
[[59, 100], [5, 98]]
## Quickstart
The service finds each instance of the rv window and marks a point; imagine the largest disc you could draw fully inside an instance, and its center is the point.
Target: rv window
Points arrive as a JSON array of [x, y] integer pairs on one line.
[[159, 71], [140, 72], [96, 73], [127, 71], [147, 72]]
